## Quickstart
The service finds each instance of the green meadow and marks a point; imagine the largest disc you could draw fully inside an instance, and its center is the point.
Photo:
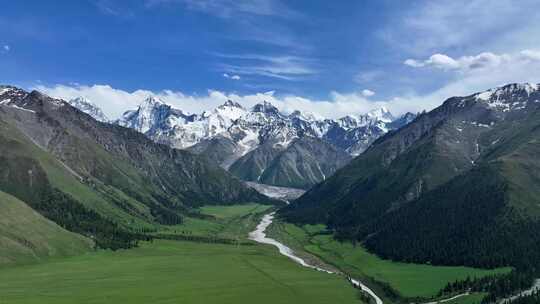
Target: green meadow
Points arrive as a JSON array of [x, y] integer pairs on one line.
[[174, 272], [409, 280], [228, 222], [166, 271]]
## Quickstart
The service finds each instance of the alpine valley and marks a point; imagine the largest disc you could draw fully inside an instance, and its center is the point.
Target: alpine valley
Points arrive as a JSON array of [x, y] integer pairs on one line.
[[441, 206], [270, 152]]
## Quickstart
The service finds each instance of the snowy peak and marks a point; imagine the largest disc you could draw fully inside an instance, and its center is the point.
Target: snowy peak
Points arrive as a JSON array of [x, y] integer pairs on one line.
[[151, 114], [231, 104], [306, 116], [230, 110], [349, 121], [88, 107], [9, 93], [151, 101], [381, 114], [260, 125], [265, 107], [515, 96]]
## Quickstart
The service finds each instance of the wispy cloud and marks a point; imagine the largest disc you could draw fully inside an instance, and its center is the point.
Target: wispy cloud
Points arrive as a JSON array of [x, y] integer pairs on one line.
[[431, 26], [231, 8], [246, 20], [113, 8], [368, 76], [5, 49], [280, 67]]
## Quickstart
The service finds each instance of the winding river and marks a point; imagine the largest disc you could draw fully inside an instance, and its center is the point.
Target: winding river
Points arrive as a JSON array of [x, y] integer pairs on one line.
[[259, 235]]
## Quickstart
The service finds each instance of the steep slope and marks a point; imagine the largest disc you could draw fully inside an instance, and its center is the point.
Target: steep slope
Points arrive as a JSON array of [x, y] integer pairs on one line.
[[111, 180], [306, 161], [25, 235], [456, 186], [86, 106], [493, 210]]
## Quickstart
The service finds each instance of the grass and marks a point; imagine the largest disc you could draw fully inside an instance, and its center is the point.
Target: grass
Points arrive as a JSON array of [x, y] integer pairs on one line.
[[26, 236], [174, 272], [222, 212], [409, 280], [229, 222]]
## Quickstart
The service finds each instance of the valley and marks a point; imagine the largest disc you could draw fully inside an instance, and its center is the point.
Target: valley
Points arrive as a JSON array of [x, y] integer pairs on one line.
[[270, 152], [401, 282], [97, 208], [164, 271], [173, 272]]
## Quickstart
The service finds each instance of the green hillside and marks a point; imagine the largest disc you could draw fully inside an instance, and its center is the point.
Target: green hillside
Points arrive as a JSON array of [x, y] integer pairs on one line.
[[26, 236], [103, 181], [457, 186]]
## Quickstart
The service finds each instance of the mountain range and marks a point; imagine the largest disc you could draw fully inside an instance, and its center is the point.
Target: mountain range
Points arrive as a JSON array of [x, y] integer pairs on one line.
[[460, 185], [97, 179], [262, 144]]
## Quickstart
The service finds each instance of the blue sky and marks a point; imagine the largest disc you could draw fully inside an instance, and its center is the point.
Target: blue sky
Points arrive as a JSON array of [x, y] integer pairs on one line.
[[327, 57]]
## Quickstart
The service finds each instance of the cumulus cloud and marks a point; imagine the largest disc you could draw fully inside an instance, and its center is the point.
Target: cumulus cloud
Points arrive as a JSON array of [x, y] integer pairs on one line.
[[485, 60], [115, 101], [471, 74]]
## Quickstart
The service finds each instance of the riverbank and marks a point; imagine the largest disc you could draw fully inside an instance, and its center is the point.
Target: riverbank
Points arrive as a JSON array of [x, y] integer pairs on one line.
[[259, 235], [408, 282]]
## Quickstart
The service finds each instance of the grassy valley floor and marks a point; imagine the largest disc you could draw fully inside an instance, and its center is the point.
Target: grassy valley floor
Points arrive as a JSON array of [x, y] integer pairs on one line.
[[169, 271], [174, 272], [409, 280], [166, 271]]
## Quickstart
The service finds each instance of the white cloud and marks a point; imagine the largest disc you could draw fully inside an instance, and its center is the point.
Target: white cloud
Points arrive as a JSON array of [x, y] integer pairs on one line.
[[367, 93], [114, 101], [233, 77], [280, 67], [471, 74], [437, 60], [7, 48], [474, 74], [482, 61]]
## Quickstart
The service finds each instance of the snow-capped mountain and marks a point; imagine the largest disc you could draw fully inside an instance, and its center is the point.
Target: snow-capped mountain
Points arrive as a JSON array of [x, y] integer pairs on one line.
[[89, 108], [253, 139], [509, 97]]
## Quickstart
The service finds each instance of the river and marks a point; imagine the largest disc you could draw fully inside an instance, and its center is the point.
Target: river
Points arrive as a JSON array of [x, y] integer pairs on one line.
[[259, 235]]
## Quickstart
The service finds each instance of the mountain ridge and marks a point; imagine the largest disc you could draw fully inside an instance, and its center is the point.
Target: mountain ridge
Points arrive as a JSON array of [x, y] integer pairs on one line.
[[231, 135], [102, 180], [428, 177]]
